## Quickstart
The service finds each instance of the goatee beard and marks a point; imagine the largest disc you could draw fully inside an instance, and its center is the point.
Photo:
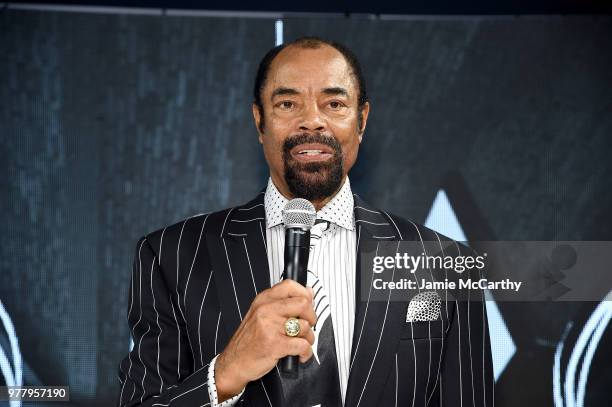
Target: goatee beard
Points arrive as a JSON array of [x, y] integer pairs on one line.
[[313, 181]]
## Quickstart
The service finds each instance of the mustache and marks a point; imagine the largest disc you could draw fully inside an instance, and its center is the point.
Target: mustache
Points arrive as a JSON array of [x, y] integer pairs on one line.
[[303, 138]]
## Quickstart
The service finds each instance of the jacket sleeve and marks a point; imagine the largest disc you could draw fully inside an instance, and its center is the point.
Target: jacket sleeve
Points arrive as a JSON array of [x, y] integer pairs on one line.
[[466, 377], [157, 370]]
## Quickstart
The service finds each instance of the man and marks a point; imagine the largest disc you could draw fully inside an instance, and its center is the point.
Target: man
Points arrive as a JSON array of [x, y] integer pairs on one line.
[[208, 307]]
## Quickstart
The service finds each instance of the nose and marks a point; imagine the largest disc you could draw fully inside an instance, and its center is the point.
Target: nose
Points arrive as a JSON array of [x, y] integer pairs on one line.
[[311, 119]]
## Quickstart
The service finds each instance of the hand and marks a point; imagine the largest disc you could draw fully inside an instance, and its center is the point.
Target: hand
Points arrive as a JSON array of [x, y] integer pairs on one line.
[[260, 340]]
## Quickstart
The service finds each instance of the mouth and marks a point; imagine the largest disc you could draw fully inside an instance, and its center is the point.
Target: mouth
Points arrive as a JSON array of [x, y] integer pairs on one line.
[[312, 152]]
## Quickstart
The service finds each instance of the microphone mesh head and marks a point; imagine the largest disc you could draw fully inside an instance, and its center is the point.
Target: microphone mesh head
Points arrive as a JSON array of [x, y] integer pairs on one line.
[[299, 213]]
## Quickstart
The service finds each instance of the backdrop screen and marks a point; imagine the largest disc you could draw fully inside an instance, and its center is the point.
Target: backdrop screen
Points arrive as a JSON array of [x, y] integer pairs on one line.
[[113, 125]]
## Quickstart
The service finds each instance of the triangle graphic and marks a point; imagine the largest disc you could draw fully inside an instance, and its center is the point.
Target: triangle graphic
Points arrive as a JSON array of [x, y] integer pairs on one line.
[[442, 219]]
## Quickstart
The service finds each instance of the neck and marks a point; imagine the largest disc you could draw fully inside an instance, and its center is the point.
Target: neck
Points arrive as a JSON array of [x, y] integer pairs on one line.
[[321, 203], [282, 187]]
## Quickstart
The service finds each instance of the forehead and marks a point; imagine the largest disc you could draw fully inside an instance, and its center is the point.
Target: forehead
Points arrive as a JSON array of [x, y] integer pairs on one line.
[[310, 69]]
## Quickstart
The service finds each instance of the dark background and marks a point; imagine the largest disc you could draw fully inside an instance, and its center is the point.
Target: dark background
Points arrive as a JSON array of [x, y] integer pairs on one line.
[[113, 125]]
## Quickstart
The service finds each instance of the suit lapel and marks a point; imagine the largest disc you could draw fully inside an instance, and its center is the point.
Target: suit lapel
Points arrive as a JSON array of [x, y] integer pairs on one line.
[[241, 271], [377, 323]]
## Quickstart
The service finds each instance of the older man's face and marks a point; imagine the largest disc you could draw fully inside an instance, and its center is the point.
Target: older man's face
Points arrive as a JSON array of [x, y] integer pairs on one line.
[[310, 135]]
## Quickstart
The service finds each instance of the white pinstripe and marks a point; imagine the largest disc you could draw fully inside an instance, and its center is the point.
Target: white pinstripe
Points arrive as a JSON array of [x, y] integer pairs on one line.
[[460, 374], [140, 315], [161, 384], [217, 331], [140, 357], [484, 321], [365, 313], [371, 223], [232, 277], [263, 238], [178, 248], [224, 222], [266, 393], [365, 209], [252, 207], [396, 379], [180, 395], [445, 274], [442, 333], [200, 317], [161, 395], [194, 372], [178, 301], [246, 251], [246, 220], [193, 262], [470, 347], [160, 246], [429, 363], [415, 362], [459, 336], [178, 361], [158, 327]]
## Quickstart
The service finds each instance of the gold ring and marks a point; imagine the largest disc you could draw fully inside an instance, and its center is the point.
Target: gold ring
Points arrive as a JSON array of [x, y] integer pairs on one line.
[[292, 327]]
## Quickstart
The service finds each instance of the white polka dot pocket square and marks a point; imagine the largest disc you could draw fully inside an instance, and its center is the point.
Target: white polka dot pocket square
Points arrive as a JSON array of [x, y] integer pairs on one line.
[[424, 306]]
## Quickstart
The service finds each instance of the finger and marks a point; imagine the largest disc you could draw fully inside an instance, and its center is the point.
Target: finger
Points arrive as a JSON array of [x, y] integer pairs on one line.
[[296, 307], [308, 335], [307, 355], [287, 288], [297, 347]]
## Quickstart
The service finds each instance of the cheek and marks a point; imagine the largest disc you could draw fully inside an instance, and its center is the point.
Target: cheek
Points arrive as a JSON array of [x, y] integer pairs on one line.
[[349, 151], [280, 124], [276, 131], [273, 148]]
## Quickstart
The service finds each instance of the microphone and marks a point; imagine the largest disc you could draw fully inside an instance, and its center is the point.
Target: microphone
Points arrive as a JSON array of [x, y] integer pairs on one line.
[[299, 216]]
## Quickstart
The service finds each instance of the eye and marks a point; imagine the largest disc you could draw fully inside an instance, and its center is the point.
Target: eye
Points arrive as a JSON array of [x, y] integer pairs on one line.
[[285, 105], [336, 105]]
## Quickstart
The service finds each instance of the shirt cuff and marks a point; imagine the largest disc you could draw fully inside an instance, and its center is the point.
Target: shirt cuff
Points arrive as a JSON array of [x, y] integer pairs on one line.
[[212, 389]]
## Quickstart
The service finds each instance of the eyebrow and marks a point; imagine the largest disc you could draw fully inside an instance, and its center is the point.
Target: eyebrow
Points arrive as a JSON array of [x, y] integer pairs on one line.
[[290, 91], [335, 91], [284, 91]]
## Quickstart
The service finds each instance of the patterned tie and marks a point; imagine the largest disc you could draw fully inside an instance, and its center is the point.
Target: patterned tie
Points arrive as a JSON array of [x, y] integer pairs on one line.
[[317, 383]]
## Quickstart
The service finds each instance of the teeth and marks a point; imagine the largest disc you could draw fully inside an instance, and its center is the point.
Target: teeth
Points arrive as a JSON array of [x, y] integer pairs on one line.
[[311, 152]]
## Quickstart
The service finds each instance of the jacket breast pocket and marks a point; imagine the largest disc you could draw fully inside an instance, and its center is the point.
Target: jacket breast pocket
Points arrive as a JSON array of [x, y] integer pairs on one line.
[[424, 329]]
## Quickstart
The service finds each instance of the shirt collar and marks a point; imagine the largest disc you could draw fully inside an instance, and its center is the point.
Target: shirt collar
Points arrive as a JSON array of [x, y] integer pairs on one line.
[[339, 210]]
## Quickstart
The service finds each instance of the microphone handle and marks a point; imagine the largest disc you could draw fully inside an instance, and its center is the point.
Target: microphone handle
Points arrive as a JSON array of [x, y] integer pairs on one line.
[[297, 249]]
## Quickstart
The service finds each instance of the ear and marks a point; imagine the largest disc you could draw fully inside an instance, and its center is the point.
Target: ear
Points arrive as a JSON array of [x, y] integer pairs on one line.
[[364, 119], [257, 118]]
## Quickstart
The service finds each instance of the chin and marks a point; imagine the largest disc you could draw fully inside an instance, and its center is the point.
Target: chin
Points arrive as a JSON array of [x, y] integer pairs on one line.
[[313, 185]]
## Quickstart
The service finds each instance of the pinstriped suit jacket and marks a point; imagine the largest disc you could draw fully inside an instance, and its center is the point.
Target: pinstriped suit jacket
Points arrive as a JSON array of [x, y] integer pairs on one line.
[[192, 283]]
